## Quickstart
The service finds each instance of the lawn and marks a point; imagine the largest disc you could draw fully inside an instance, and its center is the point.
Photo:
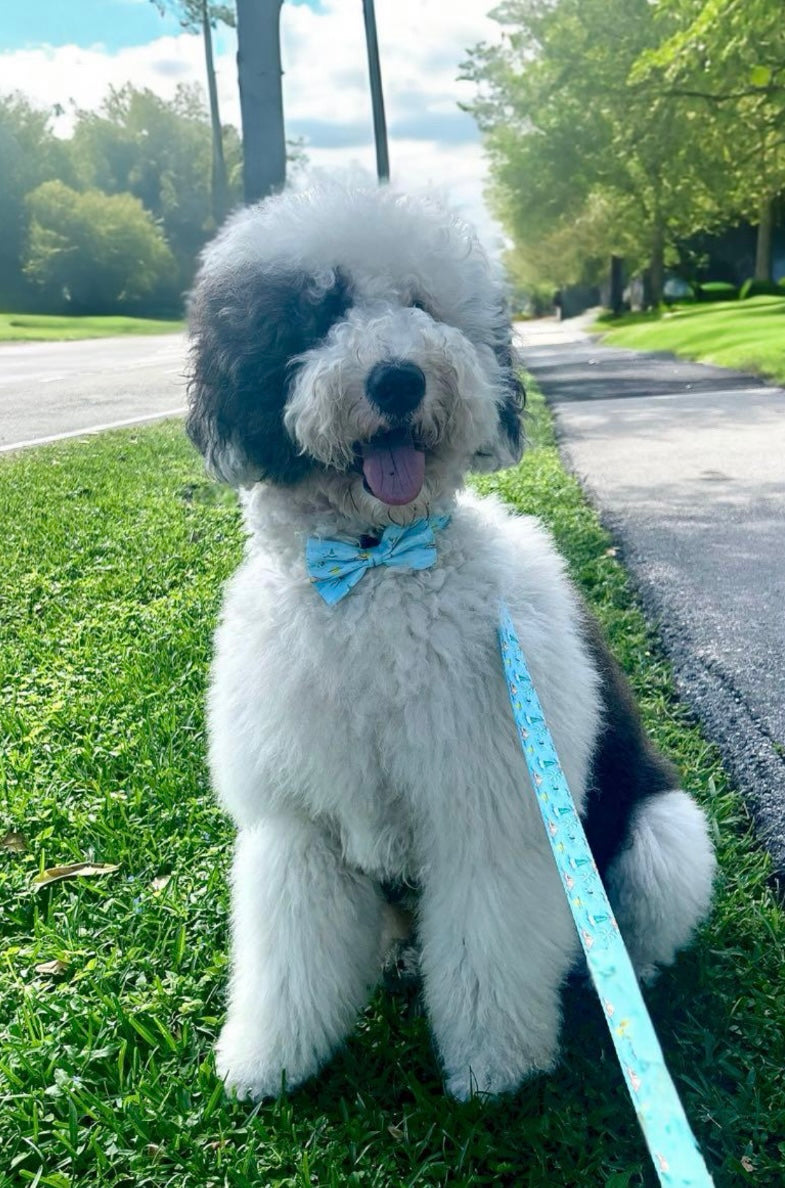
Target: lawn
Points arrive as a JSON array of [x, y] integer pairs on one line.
[[17, 327], [745, 335], [111, 987]]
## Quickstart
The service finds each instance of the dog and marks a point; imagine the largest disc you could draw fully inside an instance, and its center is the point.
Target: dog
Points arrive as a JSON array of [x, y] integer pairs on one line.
[[351, 363]]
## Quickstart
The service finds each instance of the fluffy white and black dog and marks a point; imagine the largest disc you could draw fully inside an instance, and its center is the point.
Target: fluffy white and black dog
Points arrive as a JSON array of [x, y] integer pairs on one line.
[[351, 362]]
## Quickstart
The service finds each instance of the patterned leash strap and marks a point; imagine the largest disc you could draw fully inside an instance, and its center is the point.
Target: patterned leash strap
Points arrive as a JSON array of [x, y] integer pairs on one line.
[[672, 1145]]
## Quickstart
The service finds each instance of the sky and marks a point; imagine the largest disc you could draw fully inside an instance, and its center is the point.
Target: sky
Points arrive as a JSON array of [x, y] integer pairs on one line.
[[69, 52]]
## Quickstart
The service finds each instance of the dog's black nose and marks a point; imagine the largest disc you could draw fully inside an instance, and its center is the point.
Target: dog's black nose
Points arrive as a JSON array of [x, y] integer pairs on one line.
[[395, 388]]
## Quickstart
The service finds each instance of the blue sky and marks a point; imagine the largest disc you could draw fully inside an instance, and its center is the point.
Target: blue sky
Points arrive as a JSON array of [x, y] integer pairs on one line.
[[110, 23]]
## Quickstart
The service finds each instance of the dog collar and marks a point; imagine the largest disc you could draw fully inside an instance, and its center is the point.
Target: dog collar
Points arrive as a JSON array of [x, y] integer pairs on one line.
[[336, 566]]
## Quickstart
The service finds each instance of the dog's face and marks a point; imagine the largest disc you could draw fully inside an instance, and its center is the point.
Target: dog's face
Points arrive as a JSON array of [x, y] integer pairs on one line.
[[352, 346]]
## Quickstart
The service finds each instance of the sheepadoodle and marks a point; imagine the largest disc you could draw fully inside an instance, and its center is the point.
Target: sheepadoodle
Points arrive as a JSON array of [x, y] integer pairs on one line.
[[351, 363]]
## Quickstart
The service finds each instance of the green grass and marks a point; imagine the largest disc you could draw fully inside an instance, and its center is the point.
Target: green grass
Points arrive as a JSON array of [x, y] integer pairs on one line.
[[17, 327], [114, 553], [744, 335]]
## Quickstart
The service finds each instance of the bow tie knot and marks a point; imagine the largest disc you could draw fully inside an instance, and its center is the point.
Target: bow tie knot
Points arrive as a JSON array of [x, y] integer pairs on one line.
[[336, 566]]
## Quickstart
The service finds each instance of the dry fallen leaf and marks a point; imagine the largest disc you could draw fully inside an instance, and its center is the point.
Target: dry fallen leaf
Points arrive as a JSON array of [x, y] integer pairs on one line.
[[13, 841], [747, 1163], [160, 882], [52, 968], [76, 870], [611, 552]]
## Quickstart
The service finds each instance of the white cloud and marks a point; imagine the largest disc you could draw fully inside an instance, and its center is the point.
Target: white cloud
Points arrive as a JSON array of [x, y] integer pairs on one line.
[[78, 77], [326, 93]]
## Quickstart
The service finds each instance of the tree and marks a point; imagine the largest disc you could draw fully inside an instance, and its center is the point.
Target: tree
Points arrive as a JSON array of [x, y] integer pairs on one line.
[[576, 143], [160, 152], [202, 16], [727, 58], [92, 252], [261, 100], [29, 155]]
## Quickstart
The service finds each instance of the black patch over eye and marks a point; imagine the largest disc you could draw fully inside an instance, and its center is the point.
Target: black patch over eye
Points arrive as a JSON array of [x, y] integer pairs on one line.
[[245, 330]]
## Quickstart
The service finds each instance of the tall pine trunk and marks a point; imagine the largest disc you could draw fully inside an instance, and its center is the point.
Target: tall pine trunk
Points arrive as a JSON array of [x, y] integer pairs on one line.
[[765, 241], [219, 188]]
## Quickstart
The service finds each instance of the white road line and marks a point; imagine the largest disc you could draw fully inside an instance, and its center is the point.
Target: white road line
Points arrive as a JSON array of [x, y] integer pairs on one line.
[[35, 441], [701, 394]]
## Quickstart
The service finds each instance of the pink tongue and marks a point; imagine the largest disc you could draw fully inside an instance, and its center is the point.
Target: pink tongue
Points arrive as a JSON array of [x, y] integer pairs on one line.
[[393, 469]]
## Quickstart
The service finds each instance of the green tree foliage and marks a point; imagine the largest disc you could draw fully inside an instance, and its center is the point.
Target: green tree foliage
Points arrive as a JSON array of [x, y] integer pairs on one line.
[[202, 16], [90, 252], [135, 144], [161, 153], [29, 155], [727, 59], [594, 148]]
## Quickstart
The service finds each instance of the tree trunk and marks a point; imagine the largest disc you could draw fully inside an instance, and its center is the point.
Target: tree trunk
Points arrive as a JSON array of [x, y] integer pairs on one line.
[[616, 298], [218, 184], [657, 265], [765, 241], [261, 99]]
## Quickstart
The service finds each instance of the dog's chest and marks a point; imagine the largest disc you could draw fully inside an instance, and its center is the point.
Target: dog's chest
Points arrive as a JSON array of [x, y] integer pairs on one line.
[[347, 705], [402, 636], [401, 682]]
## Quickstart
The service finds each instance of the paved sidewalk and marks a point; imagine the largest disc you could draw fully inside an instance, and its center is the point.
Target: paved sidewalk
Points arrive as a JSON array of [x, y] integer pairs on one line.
[[686, 465]]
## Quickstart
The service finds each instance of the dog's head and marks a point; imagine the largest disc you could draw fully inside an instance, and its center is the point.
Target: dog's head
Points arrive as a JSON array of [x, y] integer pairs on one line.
[[355, 345]]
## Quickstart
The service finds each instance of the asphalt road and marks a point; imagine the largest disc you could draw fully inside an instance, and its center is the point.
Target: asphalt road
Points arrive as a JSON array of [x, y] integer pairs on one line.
[[50, 390], [686, 465]]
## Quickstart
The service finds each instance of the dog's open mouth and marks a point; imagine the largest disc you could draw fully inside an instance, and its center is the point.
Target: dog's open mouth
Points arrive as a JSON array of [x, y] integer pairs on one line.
[[393, 466]]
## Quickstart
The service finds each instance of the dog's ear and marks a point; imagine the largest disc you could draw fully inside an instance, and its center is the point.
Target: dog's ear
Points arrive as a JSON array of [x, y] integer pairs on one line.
[[512, 403], [246, 326], [506, 450]]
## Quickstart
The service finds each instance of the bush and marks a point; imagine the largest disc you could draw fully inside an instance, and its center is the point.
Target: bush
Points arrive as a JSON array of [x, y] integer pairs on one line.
[[95, 253], [716, 291], [760, 288]]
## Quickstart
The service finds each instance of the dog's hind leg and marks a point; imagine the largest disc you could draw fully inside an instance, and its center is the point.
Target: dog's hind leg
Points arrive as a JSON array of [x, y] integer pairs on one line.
[[660, 883], [306, 936], [650, 840]]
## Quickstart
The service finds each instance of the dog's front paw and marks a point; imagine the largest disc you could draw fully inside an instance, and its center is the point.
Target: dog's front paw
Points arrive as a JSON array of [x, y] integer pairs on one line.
[[466, 1083], [486, 1078], [249, 1074]]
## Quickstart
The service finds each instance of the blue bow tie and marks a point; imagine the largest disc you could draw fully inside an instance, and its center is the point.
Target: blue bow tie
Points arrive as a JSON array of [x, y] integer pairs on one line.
[[335, 567]]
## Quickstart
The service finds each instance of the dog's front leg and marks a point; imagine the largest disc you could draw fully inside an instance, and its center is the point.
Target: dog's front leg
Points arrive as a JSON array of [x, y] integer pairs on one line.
[[497, 943], [305, 954]]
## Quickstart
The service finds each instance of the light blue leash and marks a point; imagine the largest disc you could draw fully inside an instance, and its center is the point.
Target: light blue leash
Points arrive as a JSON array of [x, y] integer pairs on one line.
[[671, 1143]]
